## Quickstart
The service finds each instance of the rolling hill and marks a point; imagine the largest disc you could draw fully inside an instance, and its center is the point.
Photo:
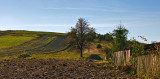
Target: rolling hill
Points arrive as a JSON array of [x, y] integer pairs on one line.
[[16, 42], [47, 60]]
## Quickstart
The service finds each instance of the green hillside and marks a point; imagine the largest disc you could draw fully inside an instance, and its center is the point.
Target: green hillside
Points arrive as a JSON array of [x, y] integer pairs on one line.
[[9, 41], [40, 45], [37, 33], [13, 43]]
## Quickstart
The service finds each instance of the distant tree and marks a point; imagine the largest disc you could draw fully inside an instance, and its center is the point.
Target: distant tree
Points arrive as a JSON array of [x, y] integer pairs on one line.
[[91, 34], [101, 37], [120, 38], [81, 35], [108, 37]]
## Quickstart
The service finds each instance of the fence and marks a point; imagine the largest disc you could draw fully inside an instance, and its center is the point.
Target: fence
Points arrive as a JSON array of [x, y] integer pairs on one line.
[[146, 64], [121, 57]]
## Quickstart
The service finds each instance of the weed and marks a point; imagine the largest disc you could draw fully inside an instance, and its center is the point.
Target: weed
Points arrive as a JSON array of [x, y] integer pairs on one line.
[[24, 55]]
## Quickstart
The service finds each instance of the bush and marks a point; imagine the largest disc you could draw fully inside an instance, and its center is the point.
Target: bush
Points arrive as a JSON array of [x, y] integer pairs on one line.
[[108, 53], [96, 40], [24, 55], [95, 57], [129, 69], [137, 48], [99, 46], [107, 50]]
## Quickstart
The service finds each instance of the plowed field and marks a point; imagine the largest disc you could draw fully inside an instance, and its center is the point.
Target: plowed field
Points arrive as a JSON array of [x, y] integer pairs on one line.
[[58, 69]]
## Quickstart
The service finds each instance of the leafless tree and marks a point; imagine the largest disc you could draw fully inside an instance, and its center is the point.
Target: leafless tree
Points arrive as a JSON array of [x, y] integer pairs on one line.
[[81, 35]]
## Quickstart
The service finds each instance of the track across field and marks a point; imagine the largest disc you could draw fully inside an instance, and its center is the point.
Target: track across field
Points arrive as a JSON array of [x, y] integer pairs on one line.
[[45, 43]]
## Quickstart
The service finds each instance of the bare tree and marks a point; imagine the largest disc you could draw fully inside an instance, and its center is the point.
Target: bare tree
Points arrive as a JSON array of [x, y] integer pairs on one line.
[[81, 35]]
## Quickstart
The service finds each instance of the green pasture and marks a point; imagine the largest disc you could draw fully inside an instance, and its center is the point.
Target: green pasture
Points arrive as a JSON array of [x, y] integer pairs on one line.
[[64, 55], [9, 41], [38, 33], [60, 55]]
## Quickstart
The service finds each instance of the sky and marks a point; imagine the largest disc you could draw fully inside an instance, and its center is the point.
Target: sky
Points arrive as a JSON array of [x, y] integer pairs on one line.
[[140, 17]]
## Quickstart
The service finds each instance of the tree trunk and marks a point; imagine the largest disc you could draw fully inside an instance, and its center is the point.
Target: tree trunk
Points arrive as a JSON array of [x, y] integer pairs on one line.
[[81, 52]]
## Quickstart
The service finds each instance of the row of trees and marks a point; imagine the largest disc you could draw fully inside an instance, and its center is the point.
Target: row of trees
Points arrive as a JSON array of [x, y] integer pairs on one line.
[[106, 37], [82, 34]]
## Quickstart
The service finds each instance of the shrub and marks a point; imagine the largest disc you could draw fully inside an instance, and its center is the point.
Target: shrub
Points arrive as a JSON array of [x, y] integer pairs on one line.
[[129, 69], [95, 57], [137, 48], [108, 53], [107, 50], [24, 55], [99, 46], [97, 40]]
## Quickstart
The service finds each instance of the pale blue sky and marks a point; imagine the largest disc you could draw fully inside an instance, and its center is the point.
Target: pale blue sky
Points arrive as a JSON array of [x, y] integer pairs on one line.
[[140, 17]]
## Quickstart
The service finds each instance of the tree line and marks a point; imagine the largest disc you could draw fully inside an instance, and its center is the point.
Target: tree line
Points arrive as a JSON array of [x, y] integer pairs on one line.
[[80, 35]]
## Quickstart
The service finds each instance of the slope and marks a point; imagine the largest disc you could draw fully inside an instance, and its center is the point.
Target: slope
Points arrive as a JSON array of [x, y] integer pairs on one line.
[[44, 42]]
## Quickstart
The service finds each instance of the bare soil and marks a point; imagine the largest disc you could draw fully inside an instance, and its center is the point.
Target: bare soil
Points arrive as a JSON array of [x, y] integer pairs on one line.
[[58, 69]]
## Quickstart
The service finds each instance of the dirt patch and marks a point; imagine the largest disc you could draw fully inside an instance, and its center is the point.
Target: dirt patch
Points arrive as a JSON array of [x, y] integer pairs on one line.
[[51, 69]]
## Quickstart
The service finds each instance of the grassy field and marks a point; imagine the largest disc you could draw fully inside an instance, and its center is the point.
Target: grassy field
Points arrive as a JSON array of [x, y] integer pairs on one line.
[[37, 45], [60, 55], [9, 41], [14, 42], [41, 47], [64, 55], [38, 33]]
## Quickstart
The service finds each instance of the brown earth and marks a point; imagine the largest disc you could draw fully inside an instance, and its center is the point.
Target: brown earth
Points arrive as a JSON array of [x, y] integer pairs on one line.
[[59, 69]]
